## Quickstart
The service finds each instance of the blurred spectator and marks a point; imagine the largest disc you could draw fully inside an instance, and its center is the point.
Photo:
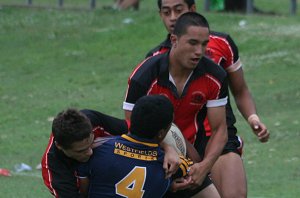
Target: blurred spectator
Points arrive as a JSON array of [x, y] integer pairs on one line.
[[124, 4], [216, 5], [241, 6]]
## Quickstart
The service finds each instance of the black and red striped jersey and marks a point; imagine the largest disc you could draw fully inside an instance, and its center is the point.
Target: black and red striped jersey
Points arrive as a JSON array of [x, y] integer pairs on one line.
[[206, 87], [223, 51], [59, 171]]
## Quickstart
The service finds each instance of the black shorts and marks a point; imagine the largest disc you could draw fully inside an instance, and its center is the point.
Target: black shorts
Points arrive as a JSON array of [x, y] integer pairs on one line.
[[234, 144], [189, 193]]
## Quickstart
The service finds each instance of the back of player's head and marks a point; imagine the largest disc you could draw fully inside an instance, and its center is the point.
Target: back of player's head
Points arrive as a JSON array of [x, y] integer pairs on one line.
[[188, 2], [70, 126], [189, 19], [151, 114]]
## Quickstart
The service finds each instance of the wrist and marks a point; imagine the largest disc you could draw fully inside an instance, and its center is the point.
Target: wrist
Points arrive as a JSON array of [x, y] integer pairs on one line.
[[253, 117]]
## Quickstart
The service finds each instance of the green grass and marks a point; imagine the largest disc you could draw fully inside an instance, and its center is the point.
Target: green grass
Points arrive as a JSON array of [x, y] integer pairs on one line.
[[52, 59]]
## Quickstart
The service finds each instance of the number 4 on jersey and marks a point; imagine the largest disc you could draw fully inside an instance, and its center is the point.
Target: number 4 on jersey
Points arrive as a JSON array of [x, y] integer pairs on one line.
[[131, 186]]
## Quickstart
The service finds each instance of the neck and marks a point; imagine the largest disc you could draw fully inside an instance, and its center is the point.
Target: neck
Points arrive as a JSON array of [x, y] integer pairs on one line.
[[176, 70]]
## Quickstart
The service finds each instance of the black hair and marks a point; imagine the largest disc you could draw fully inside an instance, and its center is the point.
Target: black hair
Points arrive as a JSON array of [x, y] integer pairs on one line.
[[188, 2], [189, 19], [151, 114], [70, 126]]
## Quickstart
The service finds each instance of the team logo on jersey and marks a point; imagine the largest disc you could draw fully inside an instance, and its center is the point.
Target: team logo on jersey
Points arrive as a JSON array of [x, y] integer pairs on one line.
[[198, 98]]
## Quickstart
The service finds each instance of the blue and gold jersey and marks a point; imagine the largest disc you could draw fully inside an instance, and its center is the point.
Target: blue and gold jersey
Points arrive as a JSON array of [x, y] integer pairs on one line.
[[126, 166]]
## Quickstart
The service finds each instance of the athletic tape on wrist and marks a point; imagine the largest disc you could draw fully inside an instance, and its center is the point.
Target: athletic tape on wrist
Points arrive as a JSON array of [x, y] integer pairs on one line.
[[253, 117]]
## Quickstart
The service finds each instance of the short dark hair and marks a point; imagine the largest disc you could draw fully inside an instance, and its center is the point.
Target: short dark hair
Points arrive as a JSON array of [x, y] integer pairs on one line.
[[151, 114], [189, 19], [188, 2], [70, 126]]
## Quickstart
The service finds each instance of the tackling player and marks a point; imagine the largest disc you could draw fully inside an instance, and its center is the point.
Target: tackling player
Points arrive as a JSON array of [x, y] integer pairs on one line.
[[71, 143]]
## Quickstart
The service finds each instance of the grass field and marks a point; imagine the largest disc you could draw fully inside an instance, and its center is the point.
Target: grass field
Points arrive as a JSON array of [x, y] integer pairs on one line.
[[53, 59]]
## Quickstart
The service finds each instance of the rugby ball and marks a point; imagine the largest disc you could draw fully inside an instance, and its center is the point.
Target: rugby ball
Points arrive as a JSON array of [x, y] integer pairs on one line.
[[175, 138]]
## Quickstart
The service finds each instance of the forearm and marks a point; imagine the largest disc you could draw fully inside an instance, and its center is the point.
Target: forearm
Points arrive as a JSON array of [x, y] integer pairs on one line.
[[192, 152], [214, 147], [245, 104], [241, 93]]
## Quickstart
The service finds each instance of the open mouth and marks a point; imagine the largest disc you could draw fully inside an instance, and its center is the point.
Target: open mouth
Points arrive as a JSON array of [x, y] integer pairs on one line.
[[195, 60], [172, 27]]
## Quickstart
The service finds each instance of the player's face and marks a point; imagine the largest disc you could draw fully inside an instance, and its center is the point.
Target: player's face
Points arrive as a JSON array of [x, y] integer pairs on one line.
[[171, 10], [190, 47], [81, 150]]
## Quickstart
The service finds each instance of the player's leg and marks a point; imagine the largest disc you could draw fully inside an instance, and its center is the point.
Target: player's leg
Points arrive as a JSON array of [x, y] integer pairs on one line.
[[208, 192], [228, 173], [125, 4]]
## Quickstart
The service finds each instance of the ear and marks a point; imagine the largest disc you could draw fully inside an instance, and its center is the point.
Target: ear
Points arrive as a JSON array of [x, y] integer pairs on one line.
[[193, 8], [58, 146], [174, 40], [162, 134], [160, 14]]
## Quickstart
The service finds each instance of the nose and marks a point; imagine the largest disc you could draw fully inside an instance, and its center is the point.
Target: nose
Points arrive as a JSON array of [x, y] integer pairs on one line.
[[173, 16], [199, 50]]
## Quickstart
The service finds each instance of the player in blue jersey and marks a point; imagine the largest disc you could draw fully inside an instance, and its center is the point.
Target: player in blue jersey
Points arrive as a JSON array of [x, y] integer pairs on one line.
[[132, 165]]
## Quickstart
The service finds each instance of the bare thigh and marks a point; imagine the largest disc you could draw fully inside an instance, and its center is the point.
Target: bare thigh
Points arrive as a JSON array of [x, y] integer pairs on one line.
[[208, 192], [228, 175]]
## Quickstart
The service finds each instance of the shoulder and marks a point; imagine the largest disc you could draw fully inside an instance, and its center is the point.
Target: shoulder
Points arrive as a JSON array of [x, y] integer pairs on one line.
[[166, 44], [220, 35], [222, 38], [148, 68], [213, 69], [153, 51]]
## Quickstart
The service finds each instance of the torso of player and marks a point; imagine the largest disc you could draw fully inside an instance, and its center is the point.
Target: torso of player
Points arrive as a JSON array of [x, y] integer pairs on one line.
[[131, 165], [195, 95], [203, 85]]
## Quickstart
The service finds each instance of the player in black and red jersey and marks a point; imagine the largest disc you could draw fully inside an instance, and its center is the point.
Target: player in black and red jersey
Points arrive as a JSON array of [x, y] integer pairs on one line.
[[192, 82], [228, 171], [70, 143], [64, 152]]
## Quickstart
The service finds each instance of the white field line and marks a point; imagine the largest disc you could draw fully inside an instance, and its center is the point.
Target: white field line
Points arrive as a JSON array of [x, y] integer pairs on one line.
[[276, 54], [27, 174]]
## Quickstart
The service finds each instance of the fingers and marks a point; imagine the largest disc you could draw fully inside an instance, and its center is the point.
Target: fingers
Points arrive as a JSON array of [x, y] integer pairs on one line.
[[261, 131], [264, 136], [181, 184], [171, 161], [170, 167]]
